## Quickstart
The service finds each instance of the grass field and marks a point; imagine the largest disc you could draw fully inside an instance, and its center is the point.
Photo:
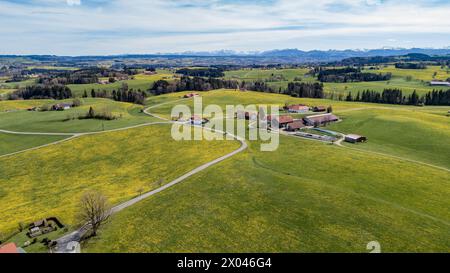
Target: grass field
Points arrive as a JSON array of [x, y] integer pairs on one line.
[[4, 92], [49, 181], [13, 143], [48, 67], [140, 81], [305, 197], [427, 75], [417, 133], [259, 74], [419, 79], [55, 121], [16, 85], [406, 133], [15, 105]]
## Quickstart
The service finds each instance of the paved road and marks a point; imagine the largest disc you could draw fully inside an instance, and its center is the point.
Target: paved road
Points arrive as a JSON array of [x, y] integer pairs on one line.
[[64, 243]]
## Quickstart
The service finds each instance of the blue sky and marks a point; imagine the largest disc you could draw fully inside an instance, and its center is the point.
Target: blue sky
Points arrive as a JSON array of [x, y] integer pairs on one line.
[[88, 27]]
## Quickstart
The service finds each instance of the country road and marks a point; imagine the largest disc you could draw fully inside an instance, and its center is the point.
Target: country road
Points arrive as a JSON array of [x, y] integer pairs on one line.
[[64, 244]]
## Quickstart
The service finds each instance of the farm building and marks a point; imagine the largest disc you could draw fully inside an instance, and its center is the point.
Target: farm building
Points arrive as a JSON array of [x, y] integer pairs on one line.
[[295, 126], [355, 138], [319, 109], [297, 108], [197, 120], [318, 120], [439, 83], [11, 248], [191, 95], [279, 121], [246, 115], [61, 106]]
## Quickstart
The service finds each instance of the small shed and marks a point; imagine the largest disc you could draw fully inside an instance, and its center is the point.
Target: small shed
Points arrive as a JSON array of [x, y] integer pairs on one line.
[[352, 138], [319, 109]]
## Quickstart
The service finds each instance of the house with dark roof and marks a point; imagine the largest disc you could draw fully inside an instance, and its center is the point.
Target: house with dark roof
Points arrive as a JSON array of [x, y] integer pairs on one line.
[[352, 138], [319, 109]]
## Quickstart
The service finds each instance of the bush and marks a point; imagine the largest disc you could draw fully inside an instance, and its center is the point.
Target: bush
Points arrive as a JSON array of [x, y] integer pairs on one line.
[[76, 103], [104, 115]]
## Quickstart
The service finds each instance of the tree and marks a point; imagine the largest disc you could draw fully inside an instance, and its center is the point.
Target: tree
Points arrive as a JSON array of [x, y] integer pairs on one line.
[[91, 113], [330, 109], [94, 210], [85, 94], [93, 93]]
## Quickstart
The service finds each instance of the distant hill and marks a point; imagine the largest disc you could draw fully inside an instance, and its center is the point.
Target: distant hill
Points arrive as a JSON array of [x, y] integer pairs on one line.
[[279, 56]]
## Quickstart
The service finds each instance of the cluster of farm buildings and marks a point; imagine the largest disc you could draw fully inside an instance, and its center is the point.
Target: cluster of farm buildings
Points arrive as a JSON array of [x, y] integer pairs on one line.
[[288, 123]]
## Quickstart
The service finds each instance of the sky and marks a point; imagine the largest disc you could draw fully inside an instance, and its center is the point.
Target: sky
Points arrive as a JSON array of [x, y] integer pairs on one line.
[[109, 27]]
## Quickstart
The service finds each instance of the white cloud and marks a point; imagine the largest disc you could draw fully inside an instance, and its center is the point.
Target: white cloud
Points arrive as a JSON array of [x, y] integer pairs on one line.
[[143, 26], [73, 2]]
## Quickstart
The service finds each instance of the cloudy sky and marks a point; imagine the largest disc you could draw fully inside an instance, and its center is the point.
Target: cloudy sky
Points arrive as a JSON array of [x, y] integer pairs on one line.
[[88, 27]]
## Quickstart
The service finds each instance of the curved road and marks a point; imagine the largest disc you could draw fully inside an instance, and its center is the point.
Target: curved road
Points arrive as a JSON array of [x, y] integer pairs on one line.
[[65, 243]]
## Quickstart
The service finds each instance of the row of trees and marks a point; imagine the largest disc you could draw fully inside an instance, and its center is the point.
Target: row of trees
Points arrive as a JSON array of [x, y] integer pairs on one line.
[[191, 83], [305, 90], [395, 96], [123, 94], [410, 66], [202, 72], [42, 91]]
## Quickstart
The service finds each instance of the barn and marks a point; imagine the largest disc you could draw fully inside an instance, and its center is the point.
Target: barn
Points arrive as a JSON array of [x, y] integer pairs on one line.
[[318, 120], [352, 138]]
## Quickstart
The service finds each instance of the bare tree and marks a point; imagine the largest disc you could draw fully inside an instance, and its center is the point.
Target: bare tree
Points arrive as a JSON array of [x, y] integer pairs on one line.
[[94, 210]]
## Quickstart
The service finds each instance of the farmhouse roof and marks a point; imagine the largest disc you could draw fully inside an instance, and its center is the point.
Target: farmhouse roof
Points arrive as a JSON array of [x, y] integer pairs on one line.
[[281, 119], [322, 118], [297, 124], [9, 248], [298, 107]]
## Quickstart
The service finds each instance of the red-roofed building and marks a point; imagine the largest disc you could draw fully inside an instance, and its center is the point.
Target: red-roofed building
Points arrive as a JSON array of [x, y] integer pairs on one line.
[[9, 248], [299, 108], [295, 126], [279, 121], [191, 95]]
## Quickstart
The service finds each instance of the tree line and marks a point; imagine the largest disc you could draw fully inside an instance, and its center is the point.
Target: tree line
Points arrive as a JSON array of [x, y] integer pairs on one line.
[[350, 74], [122, 94], [304, 90], [191, 83], [410, 66], [42, 91], [202, 72], [395, 96]]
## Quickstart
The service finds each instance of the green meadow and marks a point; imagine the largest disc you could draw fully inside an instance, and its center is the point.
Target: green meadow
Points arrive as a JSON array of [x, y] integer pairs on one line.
[[140, 81], [406, 79], [67, 121], [403, 132], [304, 197], [50, 181], [16, 85], [10, 143]]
